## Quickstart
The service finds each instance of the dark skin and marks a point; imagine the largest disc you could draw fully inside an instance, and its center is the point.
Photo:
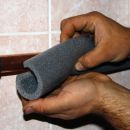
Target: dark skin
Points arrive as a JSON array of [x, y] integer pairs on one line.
[[92, 92]]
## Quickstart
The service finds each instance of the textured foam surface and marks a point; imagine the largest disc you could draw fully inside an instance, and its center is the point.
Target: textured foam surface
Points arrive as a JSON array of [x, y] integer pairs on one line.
[[50, 68]]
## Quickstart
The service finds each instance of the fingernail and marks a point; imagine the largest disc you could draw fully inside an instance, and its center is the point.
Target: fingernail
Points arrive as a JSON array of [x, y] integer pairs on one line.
[[28, 110], [79, 66]]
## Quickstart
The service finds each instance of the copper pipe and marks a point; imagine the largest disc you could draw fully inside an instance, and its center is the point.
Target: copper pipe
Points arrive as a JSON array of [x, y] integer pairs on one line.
[[13, 72], [13, 64]]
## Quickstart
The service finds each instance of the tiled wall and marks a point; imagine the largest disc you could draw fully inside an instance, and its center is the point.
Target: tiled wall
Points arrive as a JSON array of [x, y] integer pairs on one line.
[[33, 25]]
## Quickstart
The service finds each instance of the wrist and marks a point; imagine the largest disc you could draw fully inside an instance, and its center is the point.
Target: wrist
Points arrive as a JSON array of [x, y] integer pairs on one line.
[[112, 92], [114, 105]]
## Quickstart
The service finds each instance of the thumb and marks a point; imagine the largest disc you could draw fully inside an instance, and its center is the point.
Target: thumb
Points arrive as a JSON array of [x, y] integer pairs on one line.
[[91, 59]]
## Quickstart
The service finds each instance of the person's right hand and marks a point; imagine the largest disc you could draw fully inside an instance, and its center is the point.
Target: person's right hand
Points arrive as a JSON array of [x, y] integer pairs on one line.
[[112, 40]]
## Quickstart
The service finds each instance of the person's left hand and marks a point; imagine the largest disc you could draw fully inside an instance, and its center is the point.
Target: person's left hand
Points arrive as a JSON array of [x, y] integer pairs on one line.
[[78, 96]]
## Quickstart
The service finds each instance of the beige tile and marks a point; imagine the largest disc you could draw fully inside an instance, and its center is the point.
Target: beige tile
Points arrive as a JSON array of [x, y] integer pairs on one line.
[[122, 78], [55, 39], [129, 11], [61, 9], [10, 106], [23, 44], [126, 78], [119, 10], [11, 115], [23, 15]]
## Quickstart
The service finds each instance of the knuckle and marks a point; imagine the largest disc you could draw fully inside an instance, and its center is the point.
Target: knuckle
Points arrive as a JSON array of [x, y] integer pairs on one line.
[[42, 108], [98, 77], [104, 77], [94, 13], [63, 22], [101, 77], [87, 62]]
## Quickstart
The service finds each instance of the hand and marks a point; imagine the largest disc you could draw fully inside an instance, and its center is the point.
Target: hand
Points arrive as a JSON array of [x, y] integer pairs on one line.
[[84, 94], [112, 40], [78, 96]]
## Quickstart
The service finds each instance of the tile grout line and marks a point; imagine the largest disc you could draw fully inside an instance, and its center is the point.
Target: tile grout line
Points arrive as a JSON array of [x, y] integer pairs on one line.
[[49, 23], [128, 13], [23, 33], [49, 35], [29, 33], [55, 32]]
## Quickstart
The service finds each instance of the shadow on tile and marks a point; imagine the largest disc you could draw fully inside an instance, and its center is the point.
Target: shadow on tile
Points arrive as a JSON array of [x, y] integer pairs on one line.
[[72, 124]]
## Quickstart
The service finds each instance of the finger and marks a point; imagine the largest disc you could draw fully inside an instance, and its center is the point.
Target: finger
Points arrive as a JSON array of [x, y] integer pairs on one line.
[[49, 105], [92, 59], [76, 34], [74, 24]]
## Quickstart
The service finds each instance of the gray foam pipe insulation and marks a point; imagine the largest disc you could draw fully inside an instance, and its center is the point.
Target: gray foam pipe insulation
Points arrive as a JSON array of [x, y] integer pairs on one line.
[[50, 68]]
